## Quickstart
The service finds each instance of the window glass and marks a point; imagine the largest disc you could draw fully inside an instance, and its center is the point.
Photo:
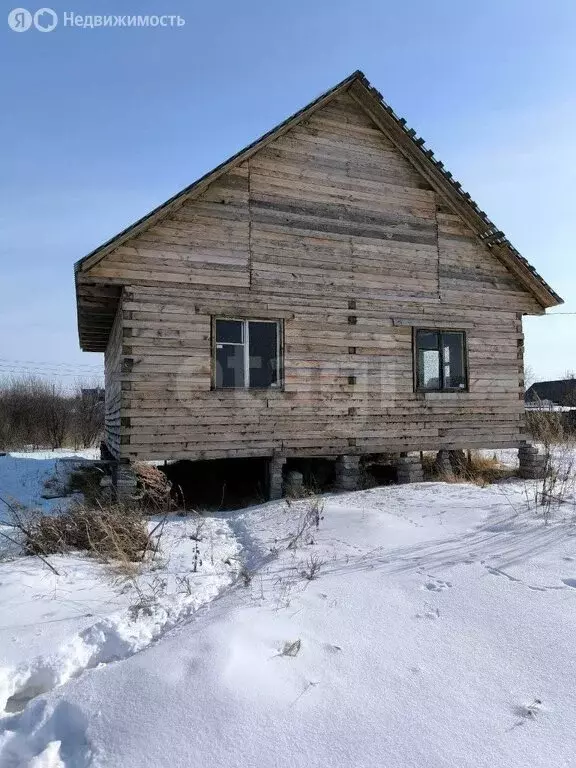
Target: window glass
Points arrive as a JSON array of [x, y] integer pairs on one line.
[[246, 353], [427, 339], [229, 365], [428, 360], [263, 351], [429, 369], [440, 360], [453, 358], [229, 331]]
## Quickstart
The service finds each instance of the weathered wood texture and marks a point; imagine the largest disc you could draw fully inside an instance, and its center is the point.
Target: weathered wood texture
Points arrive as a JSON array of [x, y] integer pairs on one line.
[[112, 383], [330, 229]]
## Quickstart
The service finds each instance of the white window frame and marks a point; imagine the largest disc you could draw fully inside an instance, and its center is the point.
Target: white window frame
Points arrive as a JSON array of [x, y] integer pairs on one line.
[[245, 343]]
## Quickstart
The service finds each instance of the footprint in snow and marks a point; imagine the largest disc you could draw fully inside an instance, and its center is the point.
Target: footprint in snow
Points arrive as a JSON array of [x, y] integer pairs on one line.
[[429, 612], [569, 583], [437, 585], [330, 648]]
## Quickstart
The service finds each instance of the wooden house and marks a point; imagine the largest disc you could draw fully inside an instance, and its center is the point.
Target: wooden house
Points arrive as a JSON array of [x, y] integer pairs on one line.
[[329, 291], [559, 392]]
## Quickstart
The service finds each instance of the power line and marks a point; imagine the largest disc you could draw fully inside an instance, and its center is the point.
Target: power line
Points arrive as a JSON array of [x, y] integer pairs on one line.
[[6, 369], [45, 363]]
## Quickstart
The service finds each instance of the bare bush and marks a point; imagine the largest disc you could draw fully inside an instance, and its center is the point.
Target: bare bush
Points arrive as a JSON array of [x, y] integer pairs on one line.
[[545, 426], [87, 415], [309, 520], [558, 444], [558, 485], [113, 533], [57, 412], [38, 413], [21, 412], [312, 567]]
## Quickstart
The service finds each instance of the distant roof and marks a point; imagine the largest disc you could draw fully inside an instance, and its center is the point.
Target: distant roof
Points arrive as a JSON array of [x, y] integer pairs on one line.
[[560, 391], [412, 146]]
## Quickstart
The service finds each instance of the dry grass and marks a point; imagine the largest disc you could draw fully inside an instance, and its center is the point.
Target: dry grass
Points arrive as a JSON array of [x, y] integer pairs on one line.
[[154, 489], [309, 521], [478, 469], [558, 487], [153, 493], [113, 533]]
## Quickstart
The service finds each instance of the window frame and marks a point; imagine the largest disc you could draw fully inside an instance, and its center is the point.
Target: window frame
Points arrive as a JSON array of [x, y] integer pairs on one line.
[[245, 343], [442, 388]]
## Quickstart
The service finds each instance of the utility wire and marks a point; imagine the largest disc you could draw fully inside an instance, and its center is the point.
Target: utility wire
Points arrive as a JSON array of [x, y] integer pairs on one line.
[[48, 364]]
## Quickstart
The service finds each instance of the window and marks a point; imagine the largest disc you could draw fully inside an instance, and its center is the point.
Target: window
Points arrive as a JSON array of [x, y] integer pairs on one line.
[[440, 361], [247, 354]]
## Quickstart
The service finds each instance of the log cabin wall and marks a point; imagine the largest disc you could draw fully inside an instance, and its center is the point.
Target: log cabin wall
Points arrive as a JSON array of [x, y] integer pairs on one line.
[[330, 230], [113, 385]]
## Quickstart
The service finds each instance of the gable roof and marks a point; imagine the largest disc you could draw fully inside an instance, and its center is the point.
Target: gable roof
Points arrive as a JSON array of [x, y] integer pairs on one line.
[[560, 391], [412, 147]]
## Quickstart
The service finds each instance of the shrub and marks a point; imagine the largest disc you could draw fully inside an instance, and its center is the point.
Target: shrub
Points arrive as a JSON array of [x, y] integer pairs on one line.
[[312, 567]]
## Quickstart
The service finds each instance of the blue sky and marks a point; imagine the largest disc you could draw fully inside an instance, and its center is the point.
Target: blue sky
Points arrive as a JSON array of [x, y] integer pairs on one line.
[[100, 125]]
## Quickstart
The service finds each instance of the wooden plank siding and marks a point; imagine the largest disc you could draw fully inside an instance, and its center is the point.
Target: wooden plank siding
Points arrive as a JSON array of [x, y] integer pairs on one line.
[[327, 223], [113, 385]]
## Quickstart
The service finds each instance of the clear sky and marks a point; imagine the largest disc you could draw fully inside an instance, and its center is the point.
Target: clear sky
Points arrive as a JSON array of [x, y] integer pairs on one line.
[[100, 125]]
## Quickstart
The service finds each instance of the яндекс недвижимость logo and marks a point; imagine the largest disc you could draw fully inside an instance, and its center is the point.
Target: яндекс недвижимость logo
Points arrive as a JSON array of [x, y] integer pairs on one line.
[[46, 19], [21, 20]]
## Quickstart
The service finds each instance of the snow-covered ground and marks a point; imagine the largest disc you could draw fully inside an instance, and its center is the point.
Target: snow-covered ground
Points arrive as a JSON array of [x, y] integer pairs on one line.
[[23, 475], [437, 632]]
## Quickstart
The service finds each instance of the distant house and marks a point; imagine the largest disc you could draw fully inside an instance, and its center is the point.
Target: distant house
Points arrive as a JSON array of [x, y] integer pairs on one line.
[[330, 291], [559, 392]]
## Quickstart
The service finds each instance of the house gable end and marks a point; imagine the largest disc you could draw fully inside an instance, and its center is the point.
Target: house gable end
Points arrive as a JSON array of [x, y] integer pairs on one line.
[[331, 186]]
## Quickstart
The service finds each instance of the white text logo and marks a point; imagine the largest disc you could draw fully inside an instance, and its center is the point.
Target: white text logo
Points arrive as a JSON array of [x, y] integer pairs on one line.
[[20, 20]]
